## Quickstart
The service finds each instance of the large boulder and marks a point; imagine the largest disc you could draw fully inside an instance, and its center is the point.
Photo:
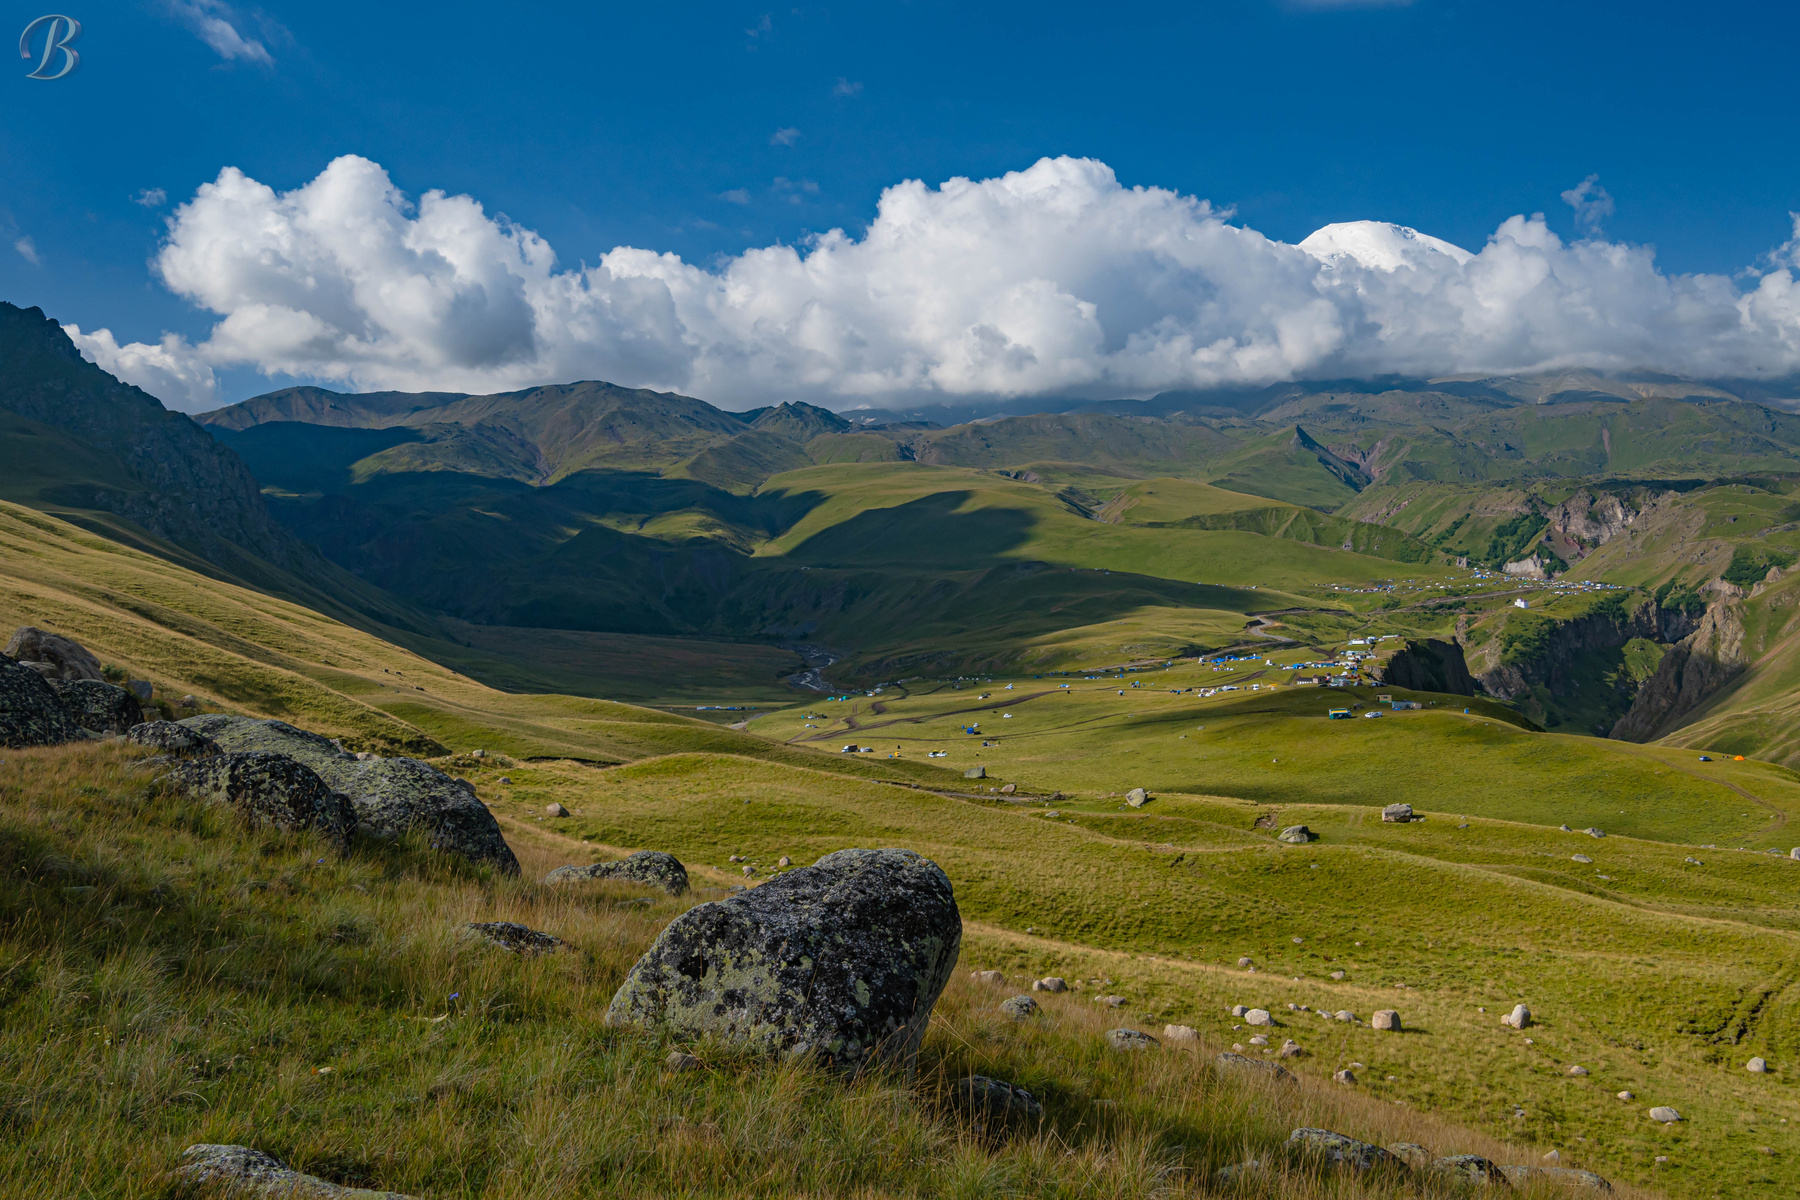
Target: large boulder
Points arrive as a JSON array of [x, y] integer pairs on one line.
[[841, 961], [1234, 1064], [1339, 1151], [652, 868], [98, 705], [241, 1171], [1468, 1168], [391, 795], [51, 655], [31, 713], [1567, 1177], [267, 790], [177, 741]]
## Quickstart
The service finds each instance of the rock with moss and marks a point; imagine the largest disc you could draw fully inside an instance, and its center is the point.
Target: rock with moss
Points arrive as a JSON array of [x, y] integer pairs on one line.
[[267, 790], [1567, 1177], [513, 937], [99, 706], [652, 868], [31, 713], [392, 796], [840, 962], [1235, 1064], [1335, 1149], [51, 655], [241, 1171], [988, 1099], [1468, 1168], [176, 741]]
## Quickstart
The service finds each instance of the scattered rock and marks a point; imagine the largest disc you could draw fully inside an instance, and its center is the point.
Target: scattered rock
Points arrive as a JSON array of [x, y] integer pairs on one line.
[[1130, 1039], [1255, 1066], [1397, 812], [1337, 975], [31, 713], [1259, 1040], [1627, 1096], [1580, 858], [651, 868], [1137, 797], [188, 702], [1051, 983], [513, 937], [1110, 1001], [1296, 835], [1557, 1176], [1565, 829], [176, 740], [1244, 961], [556, 810], [1007, 789], [391, 795], [67, 660], [987, 976], [1664, 1114], [1468, 1168], [749, 871], [994, 1099], [1343, 1076], [1238, 1010], [1258, 1016], [1238, 1173], [1386, 1019], [1593, 833], [266, 789], [1757, 1066], [143, 689], [241, 1171], [681, 1060], [1518, 1018], [1344, 1014], [842, 960], [975, 773], [1019, 1008], [1184, 1035], [1578, 1070], [784, 861], [1290, 1049], [1410, 1153], [1340, 1151], [98, 706]]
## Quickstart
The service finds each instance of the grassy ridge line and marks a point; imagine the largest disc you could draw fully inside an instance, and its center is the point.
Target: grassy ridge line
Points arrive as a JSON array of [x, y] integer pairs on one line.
[[330, 1013]]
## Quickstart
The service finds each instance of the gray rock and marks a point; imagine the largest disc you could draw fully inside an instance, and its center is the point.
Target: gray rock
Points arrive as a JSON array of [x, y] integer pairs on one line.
[[1229, 1063], [652, 868], [1580, 858], [241, 1171], [98, 705], [1593, 833], [67, 659], [1019, 1007], [1344, 1014], [1237, 1173], [1238, 1010], [1664, 1114], [1130, 1039], [1336, 1150], [31, 713], [172, 739], [1051, 983], [1343, 1076], [1110, 1001], [1185, 1035], [1386, 1019], [994, 1099], [1468, 1168], [266, 790], [1258, 1016], [988, 976], [1518, 1018], [143, 689], [1337, 975], [1757, 1066], [1296, 835], [975, 773], [840, 961], [1290, 1049], [681, 1060], [1411, 1153], [513, 937], [1521, 1176], [1397, 812], [1137, 797], [556, 810], [392, 796], [1578, 1070]]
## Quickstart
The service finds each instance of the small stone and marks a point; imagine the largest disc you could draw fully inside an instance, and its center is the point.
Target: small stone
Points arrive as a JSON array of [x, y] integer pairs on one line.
[[1757, 1066], [1565, 829], [556, 810], [1236, 1062], [1664, 1114], [1593, 833], [1137, 797], [987, 977], [1397, 812], [1051, 983], [1580, 858], [1019, 1008], [1110, 1001], [1244, 962], [503, 779], [680, 1060], [1343, 1076], [1337, 975], [1238, 1010], [1555, 1156], [1185, 1035], [1129, 1039], [784, 861], [1578, 1070], [1386, 1019], [1345, 1015], [1259, 1040], [1258, 1016], [1290, 1049], [1299, 941], [1296, 835], [1518, 1018], [1627, 1096], [994, 1099], [1007, 789], [749, 871], [513, 937]]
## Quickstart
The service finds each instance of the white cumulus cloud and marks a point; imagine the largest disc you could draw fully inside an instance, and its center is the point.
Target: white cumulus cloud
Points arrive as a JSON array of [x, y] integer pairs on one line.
[[1054, 280]]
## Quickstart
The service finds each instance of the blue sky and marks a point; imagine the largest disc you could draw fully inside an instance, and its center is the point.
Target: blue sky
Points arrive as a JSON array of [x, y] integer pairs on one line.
[[707, 130]]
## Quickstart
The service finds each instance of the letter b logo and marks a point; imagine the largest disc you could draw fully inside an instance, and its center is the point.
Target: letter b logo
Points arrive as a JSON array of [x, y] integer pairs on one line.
[[59, 58]]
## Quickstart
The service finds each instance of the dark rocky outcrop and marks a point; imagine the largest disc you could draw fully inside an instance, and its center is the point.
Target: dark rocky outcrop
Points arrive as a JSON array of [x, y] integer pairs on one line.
[[1608, 625], [513, 937], [994, 1099], [1322, 1145], [98, 706], [652, 868], [1690, 673], [840, 961], [241, 1171], [175, 740], [267, 790], [1427, 665], [1568, 1177], [391, 795], [31, 713], [64, 658], [1229, 1063]]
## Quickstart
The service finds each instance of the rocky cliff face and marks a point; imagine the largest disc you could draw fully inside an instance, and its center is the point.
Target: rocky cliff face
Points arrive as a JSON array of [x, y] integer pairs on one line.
[[174, 480], [1567, 639], [1584, 521], [1428, 665], [1693, 669]]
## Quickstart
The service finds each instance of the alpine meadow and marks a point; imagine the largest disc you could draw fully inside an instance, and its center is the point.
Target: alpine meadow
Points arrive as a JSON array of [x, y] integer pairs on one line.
[[901, 602]]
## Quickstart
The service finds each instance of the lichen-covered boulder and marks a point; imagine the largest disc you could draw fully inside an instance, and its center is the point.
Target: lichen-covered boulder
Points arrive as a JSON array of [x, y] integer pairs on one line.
[[172, 739], [1229, 1063], [241, 1171], [1468, 1168], [99, 706], [1525, 1176], [31, 713], [513, 937], [841, 961], [652, 868], [989, 1099], [66, 659], [1336, 1150], [267, 790], [391, 795]]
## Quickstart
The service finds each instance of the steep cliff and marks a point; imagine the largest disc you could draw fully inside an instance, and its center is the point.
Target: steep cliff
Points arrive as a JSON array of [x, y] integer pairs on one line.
[[1691, 671], [1427, 665]]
